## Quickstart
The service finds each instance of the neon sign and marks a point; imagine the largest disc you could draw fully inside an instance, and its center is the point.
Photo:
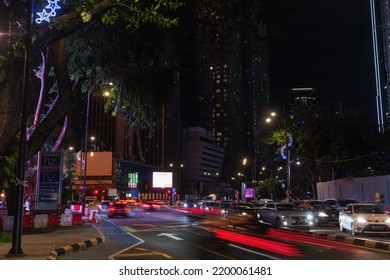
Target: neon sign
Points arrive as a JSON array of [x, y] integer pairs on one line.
[[48, 12]]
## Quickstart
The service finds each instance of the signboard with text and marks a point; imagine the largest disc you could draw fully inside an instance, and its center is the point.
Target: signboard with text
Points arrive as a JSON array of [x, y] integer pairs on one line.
[[49, 181]]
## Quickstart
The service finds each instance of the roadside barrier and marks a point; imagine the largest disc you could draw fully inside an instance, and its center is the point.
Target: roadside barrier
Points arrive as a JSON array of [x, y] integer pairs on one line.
[[66, 219]]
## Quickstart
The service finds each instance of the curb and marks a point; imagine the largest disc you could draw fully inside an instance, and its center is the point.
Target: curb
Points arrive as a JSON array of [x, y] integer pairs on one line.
[[75, 247]]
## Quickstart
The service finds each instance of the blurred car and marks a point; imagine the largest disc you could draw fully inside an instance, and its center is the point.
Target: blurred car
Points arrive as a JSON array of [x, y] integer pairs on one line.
[[241, 209], [118, 209], [206, 206], [154, 204], [285, 215], [185, 204], [339, 203], [103, 206], [220, 207], [364, 218], [323, 213]]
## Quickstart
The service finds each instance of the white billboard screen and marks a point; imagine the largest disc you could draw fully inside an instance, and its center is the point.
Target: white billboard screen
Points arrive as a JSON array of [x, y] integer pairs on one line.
[[162, 179]]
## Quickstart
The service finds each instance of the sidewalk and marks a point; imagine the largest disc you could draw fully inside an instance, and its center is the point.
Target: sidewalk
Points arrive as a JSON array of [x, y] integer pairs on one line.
[[48, 243]]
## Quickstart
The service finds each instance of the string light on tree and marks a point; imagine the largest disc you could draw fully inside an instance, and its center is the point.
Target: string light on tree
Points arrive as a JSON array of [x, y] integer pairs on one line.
[[48, 12], [283, 149]]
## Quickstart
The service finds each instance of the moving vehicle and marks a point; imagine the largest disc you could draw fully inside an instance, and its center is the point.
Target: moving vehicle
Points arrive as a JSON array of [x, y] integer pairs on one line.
[[285, 215], [220, 207], [206, 206], [323, 213], [241, 209], [364, 218], [118, 209], [103, 206]]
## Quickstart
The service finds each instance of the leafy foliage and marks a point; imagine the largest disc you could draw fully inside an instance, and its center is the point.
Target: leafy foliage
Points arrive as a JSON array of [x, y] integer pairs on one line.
[[330, 144]]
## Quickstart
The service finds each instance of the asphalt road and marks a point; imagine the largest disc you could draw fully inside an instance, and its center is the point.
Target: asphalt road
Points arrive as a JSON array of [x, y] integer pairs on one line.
[[167, 235]]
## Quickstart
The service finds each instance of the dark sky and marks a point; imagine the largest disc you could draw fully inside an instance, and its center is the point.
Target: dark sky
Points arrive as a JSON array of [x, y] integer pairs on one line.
[[326, 45]]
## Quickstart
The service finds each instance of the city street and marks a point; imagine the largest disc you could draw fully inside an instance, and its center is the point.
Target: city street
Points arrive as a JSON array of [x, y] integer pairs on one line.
[[168, 235]]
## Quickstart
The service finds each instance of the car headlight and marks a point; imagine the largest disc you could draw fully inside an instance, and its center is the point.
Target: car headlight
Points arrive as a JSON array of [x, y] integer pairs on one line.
[[223, 211], [185, 205], [309, 217], [361, 220], [388, 220], [322, 214]]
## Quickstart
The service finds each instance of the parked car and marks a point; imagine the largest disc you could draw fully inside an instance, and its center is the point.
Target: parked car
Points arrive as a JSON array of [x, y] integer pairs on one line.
[[339, 203], [285, 215], [364, 218], [118, 209], [323, 213]]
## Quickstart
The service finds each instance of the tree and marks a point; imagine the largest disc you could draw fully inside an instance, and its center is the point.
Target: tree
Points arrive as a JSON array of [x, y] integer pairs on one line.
[[51, 37], [328, 144], [63, 81]]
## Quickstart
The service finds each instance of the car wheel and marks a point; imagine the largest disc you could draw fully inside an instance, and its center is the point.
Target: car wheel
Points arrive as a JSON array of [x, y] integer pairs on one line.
[[342, 229], [278, 223]]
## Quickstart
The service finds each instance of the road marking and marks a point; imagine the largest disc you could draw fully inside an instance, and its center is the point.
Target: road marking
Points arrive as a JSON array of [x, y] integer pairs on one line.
[[148, 254], [170, 235], [254, 252]]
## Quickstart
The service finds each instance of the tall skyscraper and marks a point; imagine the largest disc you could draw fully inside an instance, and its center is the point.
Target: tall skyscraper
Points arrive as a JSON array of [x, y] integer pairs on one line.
[[229, 77]]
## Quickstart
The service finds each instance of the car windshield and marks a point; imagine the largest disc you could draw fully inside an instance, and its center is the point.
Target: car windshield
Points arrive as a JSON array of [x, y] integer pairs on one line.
[[367, 209], [287, 207]]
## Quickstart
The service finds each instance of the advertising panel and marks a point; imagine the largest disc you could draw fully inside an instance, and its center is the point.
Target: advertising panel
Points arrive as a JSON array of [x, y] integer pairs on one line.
[[162, 179], [49, 181]]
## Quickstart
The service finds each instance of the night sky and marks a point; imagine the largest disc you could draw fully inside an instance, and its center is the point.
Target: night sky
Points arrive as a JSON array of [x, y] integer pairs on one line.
[[327, 45]]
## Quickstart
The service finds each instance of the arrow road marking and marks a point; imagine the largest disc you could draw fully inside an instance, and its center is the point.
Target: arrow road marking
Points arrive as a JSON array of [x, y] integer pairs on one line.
[[170, 235]]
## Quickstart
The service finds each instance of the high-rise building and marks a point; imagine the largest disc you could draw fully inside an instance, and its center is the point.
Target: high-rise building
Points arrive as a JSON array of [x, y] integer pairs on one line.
[[229, 76]]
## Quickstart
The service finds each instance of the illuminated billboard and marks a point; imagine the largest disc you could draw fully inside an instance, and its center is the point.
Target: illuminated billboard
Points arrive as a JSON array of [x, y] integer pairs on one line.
[[132, 182], [162, 179]]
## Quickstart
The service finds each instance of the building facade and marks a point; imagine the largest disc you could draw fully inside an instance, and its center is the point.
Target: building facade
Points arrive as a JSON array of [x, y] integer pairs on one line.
[[230, 74]]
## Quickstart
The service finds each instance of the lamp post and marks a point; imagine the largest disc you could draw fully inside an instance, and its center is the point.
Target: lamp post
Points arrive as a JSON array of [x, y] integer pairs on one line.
[[285, 152], [177, 178], [16, 249], [84, 189]]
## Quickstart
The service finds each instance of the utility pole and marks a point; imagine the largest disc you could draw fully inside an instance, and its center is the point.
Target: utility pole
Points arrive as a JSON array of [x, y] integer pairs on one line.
[[16, 250], [84, 189]]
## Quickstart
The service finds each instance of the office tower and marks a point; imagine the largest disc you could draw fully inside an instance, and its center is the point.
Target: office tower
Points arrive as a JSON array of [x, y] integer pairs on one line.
[[229, 77]]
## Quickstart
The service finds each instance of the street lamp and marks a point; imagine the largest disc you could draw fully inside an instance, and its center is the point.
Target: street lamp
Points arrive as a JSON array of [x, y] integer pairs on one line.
[[285, 152], [84, 189], [177, 177]]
